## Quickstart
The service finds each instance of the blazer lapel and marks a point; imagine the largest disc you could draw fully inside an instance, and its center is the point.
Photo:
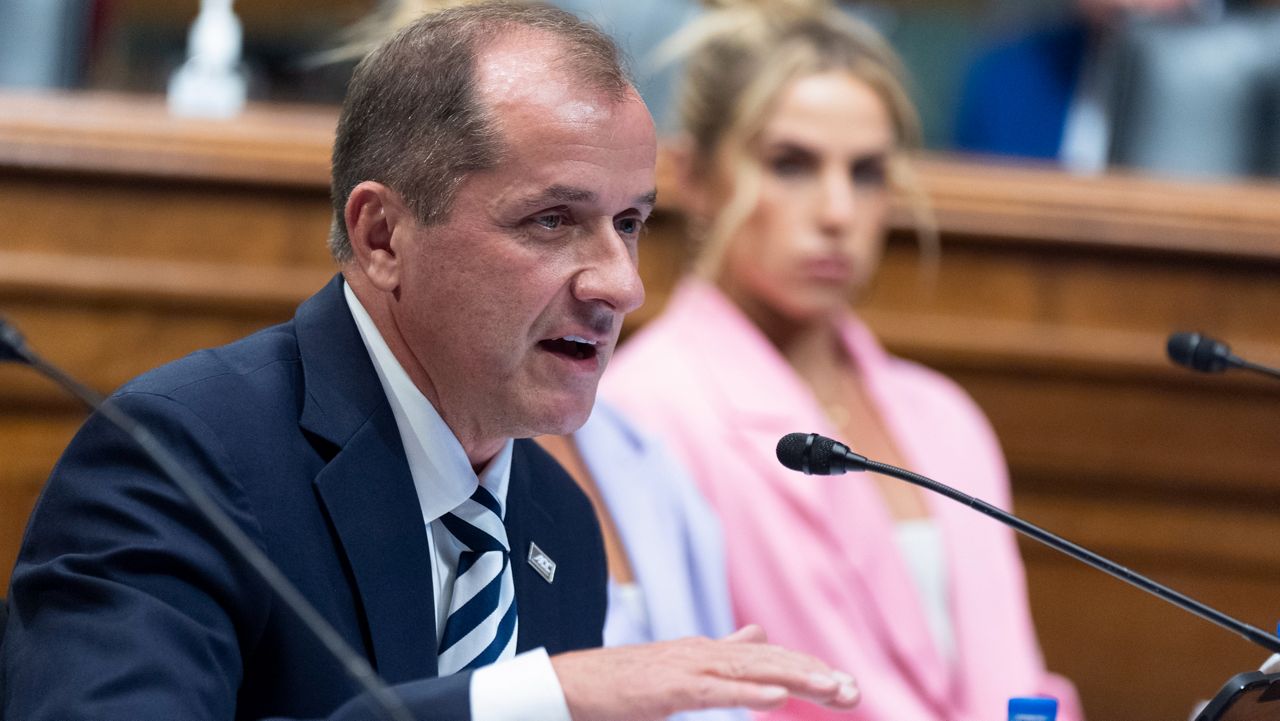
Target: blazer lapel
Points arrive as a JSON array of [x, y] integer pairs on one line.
[[366, 490], [896, 592], [781, 403]]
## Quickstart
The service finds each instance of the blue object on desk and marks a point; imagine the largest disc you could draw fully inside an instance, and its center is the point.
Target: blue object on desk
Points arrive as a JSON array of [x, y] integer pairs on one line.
[[1033, 708]]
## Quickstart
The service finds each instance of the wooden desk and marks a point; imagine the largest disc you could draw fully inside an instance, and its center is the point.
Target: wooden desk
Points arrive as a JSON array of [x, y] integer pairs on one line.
[[131, 238]]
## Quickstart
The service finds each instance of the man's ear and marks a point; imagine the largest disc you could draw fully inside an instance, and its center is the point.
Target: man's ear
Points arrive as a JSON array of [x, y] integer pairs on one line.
[[373, 212]]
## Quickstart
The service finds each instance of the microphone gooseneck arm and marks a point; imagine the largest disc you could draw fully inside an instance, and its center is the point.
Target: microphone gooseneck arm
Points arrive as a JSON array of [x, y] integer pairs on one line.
[[793, 445], [1257, 368], [1080, 553], [13, 347]]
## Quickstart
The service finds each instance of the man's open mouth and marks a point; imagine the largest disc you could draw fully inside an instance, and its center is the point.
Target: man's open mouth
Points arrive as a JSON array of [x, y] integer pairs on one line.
[[570, 346]]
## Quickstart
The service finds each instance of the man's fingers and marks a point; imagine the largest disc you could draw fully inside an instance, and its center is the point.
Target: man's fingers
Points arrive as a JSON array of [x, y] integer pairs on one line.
[[714, 692], [800, 674], [658, 679], [843, 692], [723, 693], [747, 634]]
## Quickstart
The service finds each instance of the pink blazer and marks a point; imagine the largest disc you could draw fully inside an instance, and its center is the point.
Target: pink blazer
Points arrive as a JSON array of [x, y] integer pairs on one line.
[[813, 560]]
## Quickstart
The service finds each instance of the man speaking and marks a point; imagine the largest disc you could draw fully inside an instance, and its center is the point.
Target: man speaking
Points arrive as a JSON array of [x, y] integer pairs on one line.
[[492, 172]]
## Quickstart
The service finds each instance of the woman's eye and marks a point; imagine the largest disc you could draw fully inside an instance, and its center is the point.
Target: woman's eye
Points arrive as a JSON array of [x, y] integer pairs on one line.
[[788, 165], [870, 173]]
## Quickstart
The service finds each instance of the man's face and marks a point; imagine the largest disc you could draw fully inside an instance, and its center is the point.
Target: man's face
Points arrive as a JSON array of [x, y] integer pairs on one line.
[[512, 308]]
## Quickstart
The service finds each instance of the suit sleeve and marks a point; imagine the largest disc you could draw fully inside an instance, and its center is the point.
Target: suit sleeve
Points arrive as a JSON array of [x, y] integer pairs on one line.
[[124, 604]]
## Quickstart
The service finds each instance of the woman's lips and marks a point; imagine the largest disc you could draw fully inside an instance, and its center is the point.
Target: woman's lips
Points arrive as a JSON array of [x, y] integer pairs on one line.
[[830, 269]]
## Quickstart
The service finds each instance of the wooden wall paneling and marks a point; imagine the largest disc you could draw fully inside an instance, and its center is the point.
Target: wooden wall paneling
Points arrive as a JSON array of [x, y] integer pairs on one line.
[[1132, 656], [134, 238], [181, 220], [105, 133], [1037, 204]]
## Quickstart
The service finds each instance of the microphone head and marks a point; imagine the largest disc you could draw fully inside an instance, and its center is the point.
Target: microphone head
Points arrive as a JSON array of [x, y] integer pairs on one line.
[[12, 344], [808, 453], [1199, 352]]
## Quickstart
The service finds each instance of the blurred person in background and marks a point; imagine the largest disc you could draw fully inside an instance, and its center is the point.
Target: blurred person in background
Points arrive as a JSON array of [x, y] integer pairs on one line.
[[1045, 94], [796, 121], [663, 543]]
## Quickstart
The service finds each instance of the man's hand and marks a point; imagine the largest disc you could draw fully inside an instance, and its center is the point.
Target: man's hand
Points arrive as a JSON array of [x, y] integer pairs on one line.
[[655, 680]]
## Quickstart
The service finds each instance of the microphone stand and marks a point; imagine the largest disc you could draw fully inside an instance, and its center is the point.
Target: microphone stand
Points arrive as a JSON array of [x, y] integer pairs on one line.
[[13, 347], [813, 454]]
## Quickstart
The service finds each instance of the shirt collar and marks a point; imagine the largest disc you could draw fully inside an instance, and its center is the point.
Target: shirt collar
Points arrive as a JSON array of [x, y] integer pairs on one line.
[[442, 475]]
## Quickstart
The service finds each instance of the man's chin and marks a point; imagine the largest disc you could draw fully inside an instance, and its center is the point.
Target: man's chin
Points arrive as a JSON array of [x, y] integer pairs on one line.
[[560, 419]]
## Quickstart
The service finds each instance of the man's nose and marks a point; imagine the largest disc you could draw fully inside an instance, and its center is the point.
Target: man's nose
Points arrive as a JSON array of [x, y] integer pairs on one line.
[[611, 273]]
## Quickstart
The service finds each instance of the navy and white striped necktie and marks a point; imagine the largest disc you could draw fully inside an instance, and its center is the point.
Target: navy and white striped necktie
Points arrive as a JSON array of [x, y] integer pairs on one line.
[[481, 626]]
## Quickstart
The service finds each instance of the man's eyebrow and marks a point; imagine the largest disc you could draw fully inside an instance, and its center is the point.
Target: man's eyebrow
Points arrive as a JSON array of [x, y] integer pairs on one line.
[[570, 194]]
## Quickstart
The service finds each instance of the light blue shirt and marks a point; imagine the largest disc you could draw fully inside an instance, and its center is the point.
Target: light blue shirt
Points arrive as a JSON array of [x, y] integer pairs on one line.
[[672, 539]]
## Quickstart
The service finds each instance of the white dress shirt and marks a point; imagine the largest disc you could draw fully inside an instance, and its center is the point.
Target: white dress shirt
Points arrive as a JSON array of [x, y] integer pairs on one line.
[[526, 686]]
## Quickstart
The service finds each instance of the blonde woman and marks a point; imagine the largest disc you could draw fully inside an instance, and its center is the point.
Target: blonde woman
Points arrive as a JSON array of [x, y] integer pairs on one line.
[[795, 122]]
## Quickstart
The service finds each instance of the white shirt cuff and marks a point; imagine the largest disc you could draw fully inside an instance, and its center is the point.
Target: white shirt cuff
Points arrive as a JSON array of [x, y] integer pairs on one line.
[[523, 688]]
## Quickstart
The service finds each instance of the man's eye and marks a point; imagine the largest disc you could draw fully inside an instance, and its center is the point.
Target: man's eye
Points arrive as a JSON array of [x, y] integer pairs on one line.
[[630, 226], [550, 221]]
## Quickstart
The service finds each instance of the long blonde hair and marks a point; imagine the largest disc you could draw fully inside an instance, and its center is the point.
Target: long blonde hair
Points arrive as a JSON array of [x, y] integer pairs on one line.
[[739, 58], [360, 38]]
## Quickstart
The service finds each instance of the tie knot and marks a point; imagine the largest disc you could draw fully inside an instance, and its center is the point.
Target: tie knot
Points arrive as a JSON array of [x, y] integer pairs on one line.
[[477, 523]]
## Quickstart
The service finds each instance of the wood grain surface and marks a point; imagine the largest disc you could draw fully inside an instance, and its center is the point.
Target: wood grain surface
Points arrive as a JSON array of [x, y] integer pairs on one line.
[[131, 238]]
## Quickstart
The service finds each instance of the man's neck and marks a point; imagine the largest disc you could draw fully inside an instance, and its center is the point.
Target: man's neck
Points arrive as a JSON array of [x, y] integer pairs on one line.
[[479, 446]]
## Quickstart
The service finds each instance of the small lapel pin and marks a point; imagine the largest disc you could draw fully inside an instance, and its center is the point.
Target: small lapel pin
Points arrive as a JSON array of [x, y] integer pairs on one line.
[[541, 562]]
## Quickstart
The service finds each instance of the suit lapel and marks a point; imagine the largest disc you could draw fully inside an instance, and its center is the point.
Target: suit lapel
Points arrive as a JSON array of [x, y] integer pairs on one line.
[[369, 496], [537, 601], [366, 490]]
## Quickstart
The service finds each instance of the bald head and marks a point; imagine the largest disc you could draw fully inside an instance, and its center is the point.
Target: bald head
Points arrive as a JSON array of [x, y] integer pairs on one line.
[[422, 110]]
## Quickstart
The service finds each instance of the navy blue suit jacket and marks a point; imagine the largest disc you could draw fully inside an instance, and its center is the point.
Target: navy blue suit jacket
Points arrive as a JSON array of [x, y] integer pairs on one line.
[[125, 605]]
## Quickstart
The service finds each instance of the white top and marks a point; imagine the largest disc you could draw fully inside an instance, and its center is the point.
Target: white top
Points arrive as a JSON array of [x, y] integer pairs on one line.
[[519, 688], [920, 541], [628, 619]]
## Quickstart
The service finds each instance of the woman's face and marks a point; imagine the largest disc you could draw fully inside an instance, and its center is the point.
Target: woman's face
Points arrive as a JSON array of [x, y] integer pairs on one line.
[[816, 233]]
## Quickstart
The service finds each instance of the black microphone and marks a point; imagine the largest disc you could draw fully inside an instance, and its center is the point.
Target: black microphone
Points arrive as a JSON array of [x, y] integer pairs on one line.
[[13, 347], [11, 342], [1209, 355], [813, 454]]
